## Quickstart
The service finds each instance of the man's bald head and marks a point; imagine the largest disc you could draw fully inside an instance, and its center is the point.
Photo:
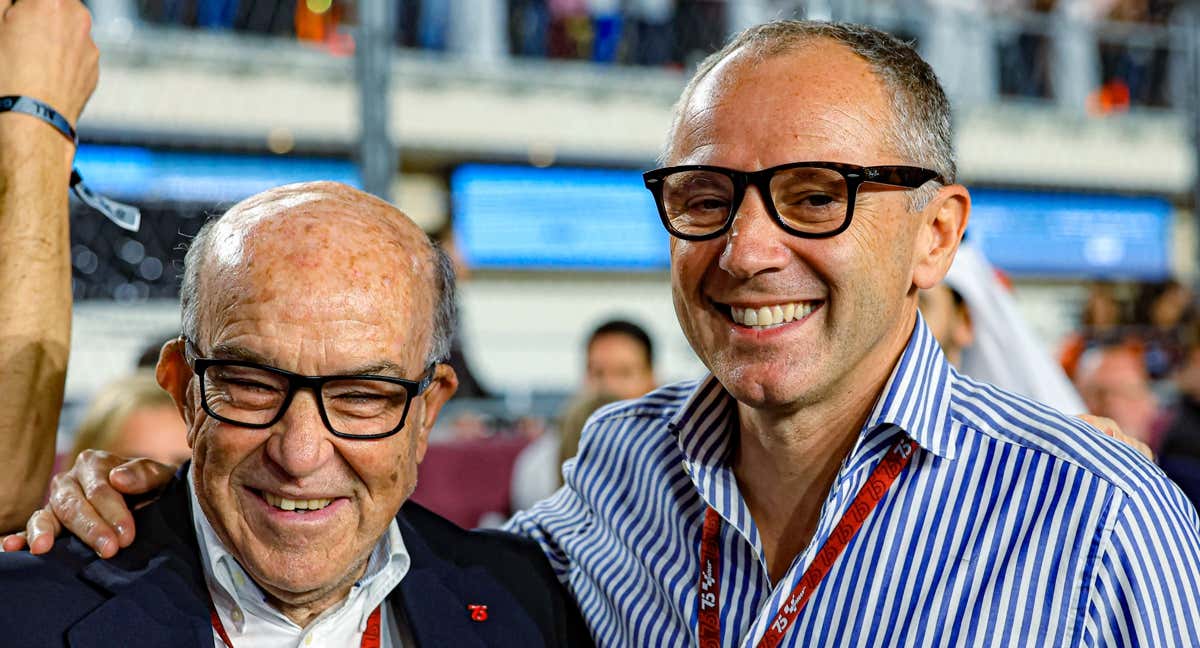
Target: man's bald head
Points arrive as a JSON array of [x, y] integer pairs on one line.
[[311, 232]]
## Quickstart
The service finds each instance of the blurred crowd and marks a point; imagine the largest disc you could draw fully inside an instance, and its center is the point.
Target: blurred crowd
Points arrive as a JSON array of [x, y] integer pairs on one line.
[[1133, 70], [1133, 51], [1135, 358]]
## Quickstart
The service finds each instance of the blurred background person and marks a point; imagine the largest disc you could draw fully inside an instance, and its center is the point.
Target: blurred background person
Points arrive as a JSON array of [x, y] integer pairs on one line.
[[1101, 321], [620, 360], [1162, 312], [1179, 455], [133, 417], [620, 366], [975, 319], [1114, 383]]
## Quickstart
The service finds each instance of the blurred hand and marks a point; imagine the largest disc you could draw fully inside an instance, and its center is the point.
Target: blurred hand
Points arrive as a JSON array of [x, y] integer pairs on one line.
[[48, 53], [88, 500], [1110, 427]]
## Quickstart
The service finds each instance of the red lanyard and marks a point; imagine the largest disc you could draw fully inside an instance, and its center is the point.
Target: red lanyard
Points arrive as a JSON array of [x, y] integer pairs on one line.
[[708, 589], [370, 638]]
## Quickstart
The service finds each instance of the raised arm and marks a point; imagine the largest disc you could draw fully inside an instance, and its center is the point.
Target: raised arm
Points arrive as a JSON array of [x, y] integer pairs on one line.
[[46, 52]]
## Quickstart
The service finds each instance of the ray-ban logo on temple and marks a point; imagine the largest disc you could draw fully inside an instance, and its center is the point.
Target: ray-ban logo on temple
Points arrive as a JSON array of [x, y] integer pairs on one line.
[[806, 199]]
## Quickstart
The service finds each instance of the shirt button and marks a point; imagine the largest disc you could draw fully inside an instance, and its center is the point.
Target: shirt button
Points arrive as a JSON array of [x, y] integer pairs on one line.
[[237, 615], [237, 578], [308, 640]]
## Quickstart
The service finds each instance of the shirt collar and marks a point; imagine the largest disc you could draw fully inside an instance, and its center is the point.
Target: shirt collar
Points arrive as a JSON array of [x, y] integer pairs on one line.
[[229, 584], [915, 399]]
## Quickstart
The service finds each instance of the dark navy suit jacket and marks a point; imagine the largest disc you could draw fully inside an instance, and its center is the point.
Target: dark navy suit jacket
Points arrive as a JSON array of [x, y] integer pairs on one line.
[[153, 593]]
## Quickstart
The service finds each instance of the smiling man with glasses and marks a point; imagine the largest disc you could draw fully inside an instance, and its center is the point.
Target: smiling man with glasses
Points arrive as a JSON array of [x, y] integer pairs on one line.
[[316, 320]]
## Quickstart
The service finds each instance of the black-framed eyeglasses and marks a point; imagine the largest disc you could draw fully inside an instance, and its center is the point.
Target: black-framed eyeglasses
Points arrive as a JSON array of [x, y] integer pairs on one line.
[[807, 199], [255, 395]]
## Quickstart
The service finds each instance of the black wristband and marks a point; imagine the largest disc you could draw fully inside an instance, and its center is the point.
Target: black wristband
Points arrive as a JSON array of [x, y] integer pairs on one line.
[[125, 216], [41, 110]]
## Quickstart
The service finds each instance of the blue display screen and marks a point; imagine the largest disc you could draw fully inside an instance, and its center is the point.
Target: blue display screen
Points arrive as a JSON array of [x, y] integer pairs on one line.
[[1067, 235], [141, 174], [513, 217]]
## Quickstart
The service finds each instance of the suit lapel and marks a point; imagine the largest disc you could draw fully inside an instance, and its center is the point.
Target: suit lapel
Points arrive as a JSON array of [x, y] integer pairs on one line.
[[435, 613]]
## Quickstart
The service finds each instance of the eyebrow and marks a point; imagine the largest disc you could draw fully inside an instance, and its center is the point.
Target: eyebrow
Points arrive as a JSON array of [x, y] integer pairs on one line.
[[237, 352]]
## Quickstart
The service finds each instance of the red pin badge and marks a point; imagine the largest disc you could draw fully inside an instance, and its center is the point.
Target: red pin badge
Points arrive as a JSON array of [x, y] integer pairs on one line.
[[478, 612]]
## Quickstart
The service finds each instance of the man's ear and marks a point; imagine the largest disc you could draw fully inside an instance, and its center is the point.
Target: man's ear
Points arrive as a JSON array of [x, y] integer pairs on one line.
[[944, 221], [175, 376], [443, 386]]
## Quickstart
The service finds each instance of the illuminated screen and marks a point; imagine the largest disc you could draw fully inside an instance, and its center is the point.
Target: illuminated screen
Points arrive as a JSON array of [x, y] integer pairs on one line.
[[141, 174], [512, 217], [1072, 235]]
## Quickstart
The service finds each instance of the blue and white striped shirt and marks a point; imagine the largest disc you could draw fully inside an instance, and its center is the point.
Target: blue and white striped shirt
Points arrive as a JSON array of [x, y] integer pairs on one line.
[[1014, 525]]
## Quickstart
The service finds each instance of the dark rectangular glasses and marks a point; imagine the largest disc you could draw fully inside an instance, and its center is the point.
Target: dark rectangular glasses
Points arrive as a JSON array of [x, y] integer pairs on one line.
[[806, 199], [254, 395]]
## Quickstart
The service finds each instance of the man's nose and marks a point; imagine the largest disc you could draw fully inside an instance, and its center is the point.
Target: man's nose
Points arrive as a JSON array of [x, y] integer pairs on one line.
[[300, 443], [754, 242]]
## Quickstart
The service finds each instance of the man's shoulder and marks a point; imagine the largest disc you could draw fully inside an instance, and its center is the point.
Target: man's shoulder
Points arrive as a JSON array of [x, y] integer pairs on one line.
[[996, 416], [47, 595], [654, 411], [447, 541]]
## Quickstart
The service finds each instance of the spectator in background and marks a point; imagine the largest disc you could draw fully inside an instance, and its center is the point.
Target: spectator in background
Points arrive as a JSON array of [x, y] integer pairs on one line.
[[699, 29], [607, 27], [47, 54], [1180, 455], [983, 334], [134, 417], [1026, 55], [529, 27], [1113, 382], [620, 360], [652, 31], [620, 366], [1101, 319], [570, 33], [1162, 312]]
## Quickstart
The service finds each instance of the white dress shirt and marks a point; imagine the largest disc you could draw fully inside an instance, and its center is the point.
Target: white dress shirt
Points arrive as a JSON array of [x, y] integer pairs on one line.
[[252, 622]]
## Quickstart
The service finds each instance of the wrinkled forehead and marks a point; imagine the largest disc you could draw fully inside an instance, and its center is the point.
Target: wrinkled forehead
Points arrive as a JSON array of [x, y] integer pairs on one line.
[[307, 256], [817, 99]]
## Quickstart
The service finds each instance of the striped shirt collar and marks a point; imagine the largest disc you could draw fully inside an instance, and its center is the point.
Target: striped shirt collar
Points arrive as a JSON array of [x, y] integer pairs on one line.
[[915, 399]]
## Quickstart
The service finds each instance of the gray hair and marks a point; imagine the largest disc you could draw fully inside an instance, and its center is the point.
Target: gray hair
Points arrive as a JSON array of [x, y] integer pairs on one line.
[[921, 117], [445, 311]]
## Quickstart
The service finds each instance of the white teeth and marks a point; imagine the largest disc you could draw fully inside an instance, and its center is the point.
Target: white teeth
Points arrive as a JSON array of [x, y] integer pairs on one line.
[[764, 317], [295, 505], [771, 315]]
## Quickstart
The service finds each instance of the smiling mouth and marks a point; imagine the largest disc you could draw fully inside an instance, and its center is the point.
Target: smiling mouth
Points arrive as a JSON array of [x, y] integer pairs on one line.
[[294, 505], [765, 317]]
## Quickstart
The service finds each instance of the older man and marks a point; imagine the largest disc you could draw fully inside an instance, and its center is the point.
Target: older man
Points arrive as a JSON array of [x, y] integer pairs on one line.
[[833, 481], [309, 373]]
